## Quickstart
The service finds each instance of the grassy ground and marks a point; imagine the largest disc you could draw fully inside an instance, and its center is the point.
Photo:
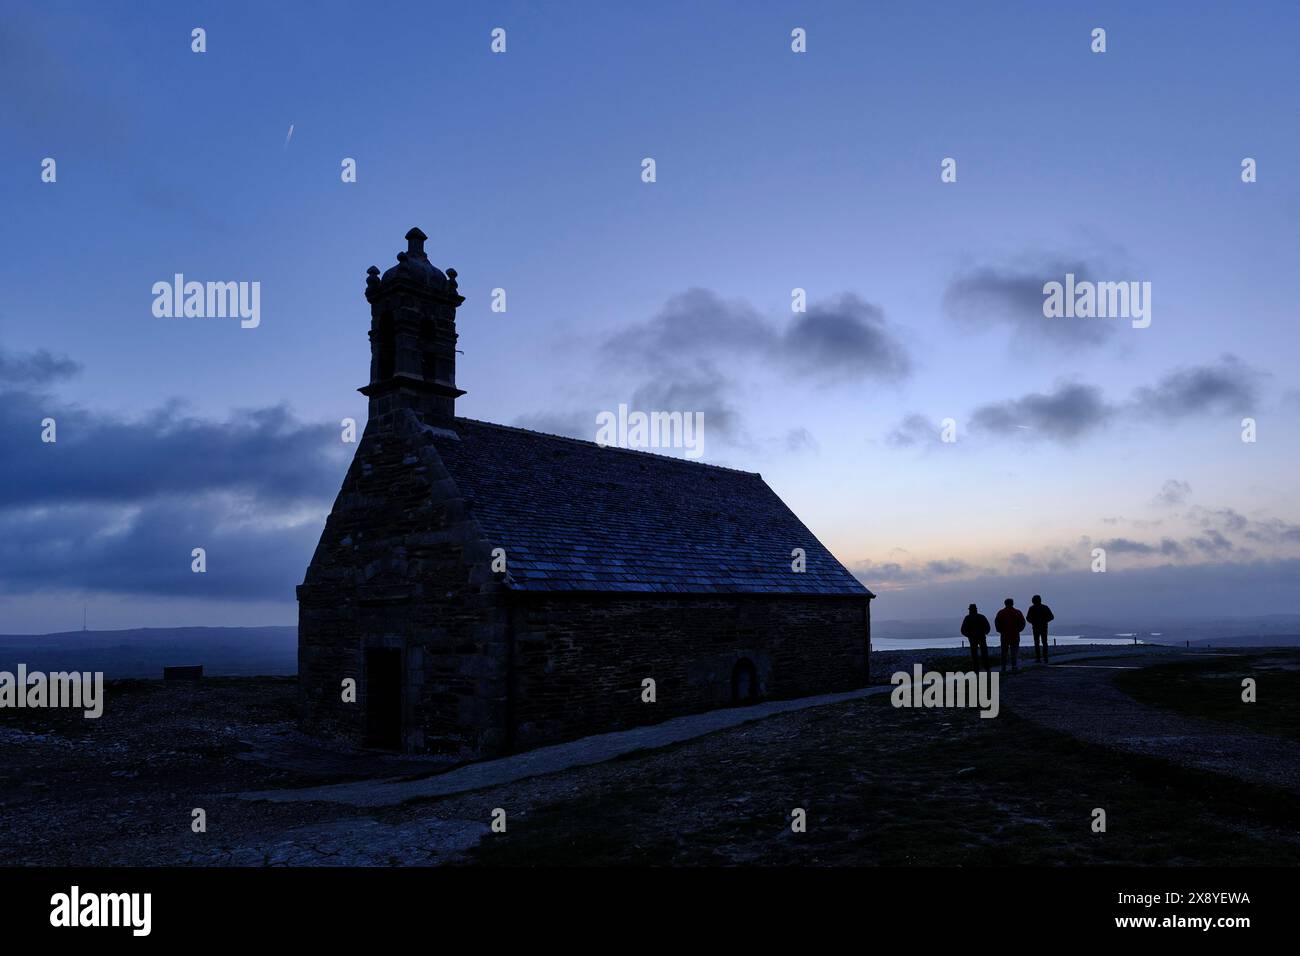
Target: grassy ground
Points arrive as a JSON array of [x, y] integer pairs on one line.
[[880, 786], [119, 790], [1212, 689], [898, 787]]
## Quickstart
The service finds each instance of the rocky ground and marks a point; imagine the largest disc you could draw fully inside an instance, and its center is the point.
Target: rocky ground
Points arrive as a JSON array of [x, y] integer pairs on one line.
[[879, 785]]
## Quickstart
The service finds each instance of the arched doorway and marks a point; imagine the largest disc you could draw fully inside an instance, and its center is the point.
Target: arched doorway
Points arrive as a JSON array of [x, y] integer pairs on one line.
[[383, 692], [744, 682]]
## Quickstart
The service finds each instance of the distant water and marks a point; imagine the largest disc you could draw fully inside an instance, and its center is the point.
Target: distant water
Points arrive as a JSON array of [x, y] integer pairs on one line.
[[1064, 640]]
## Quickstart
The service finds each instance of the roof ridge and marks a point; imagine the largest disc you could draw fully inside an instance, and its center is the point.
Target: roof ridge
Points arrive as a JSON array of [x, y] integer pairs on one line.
[[616, 448]]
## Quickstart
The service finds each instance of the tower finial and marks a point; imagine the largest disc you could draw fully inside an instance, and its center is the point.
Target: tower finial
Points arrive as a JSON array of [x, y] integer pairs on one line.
[[415, 243], [413, 336]]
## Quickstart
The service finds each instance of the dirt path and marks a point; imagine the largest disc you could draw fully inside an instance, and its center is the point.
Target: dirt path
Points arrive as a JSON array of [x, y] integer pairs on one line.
[[1081, 699]]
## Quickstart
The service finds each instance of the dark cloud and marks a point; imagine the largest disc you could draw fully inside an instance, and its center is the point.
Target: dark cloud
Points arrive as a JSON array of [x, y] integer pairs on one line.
[[1224, 533], [1173, 492], [1072, 410], [670, 362], [689, 389], [1167, 547], [1228, 386], [841, 339], [1067, 413], [845, 339], [944, 568], [118, 504], [915, 429], [886, 573], [1213, 543], [1224, 519], [262, 452], [1274, 531], [1126, 546], [695, 323], [35, 368], [700, 388], [989, 296], [145, 549]]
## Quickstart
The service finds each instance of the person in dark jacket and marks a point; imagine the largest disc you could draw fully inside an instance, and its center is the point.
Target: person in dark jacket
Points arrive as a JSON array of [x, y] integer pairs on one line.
[[1038, 615], [975, 628], [1009, 622]]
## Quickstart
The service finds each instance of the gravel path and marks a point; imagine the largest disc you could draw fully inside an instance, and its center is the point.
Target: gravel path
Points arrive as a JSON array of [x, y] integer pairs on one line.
[[588, 750], [1082, 700], [544, 760]]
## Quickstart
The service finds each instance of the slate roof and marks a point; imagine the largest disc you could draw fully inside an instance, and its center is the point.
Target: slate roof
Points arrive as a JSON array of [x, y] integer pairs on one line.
[[575, 516]]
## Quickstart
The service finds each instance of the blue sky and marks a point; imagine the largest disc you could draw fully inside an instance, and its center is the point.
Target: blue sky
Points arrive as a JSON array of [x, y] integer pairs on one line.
[[775, 170]]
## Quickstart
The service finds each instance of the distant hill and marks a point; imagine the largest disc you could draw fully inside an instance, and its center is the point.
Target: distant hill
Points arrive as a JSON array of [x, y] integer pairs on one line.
[[1252, 640], [143, 652]]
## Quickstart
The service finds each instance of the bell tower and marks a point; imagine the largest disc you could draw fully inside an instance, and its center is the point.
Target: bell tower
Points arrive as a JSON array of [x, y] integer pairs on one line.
[[413, 337]]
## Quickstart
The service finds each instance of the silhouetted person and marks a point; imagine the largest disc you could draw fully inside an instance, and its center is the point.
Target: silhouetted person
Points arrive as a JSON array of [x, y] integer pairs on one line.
[[1009, 622], [1038, 615], [975, 628]]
